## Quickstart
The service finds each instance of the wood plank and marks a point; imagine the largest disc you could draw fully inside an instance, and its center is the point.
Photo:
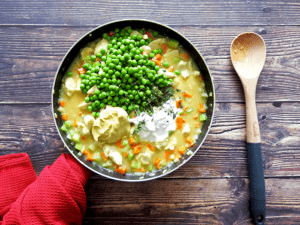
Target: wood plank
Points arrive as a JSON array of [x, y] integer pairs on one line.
[[32, 56], [191, 12], [30, 128], [194, 201]]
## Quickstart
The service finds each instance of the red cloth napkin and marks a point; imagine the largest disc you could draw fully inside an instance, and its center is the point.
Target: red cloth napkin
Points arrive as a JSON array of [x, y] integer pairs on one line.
[[57, 196]]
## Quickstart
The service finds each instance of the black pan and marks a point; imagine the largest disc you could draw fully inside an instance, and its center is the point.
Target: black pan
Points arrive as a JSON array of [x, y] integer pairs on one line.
[[97, 33]]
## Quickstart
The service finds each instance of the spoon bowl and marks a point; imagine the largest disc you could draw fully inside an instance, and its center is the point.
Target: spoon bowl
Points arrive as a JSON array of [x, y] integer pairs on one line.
[[248, 55]]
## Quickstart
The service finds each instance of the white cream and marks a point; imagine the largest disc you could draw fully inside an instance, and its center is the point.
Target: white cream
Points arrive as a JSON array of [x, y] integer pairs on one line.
[[155, 128]]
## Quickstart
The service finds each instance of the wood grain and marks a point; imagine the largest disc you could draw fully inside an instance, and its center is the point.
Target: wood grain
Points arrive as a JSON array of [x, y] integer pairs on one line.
[[194, 201], [30, 58], [30, 128], [190, 12]]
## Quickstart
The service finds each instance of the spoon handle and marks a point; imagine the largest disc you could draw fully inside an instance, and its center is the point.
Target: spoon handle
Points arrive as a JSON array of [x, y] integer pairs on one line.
[[255, 166], [257, 183]]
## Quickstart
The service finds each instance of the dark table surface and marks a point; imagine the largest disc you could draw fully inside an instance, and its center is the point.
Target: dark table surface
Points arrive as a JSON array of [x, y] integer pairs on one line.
[[212, 188]]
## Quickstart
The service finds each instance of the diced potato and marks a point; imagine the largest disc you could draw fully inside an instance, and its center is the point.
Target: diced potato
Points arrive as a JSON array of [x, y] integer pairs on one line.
[[186, 129], [111, 152], [86, 52], [70, 85], [82, 129], [92, 90], [102, 44], [89, 121], [146, 49], [156, 44], [171, 145]]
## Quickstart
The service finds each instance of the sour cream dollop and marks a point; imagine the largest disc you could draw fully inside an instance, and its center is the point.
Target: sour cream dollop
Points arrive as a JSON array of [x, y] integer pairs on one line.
[[156, 127]]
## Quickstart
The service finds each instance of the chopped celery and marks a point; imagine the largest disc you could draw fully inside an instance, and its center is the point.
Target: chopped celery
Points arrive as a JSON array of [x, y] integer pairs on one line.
[[126, 149], [180, 113], [171, 132], [72, 132], [76, 138], [173, 43], [125, 142], [139, 165], [134, 164], [189, 111], [92, 147], [176, 60], [137, 139], [150, 167], [78, 146], [97, 156], [130, 155], [63, 128], [203, 117], [68, 124]]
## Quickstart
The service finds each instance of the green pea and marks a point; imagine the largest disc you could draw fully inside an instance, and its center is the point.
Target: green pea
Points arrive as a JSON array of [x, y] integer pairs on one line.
[[166, 64], [86, 66], [102, 105], [177, 72], [69, 74], [148, 92], [155, 33], [87, 99], [93, 57], [90, 108]]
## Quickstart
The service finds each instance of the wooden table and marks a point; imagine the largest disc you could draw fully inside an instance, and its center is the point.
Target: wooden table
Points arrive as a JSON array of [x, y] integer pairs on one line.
[[212, 188]]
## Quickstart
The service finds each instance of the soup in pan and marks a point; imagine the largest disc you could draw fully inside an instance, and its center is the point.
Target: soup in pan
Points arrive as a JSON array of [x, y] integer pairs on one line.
[[133, 101]]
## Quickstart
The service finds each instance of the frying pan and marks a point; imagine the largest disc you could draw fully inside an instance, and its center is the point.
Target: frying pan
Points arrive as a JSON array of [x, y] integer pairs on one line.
[[97, 33]]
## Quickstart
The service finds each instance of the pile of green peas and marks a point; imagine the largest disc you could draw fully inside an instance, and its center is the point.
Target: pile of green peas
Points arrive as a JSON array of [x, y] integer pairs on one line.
[[129, 79]]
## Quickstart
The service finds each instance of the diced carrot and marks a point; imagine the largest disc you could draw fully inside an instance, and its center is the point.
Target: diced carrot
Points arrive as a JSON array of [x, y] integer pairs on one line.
[[183, 114], [178, 156], [111, 33], [142, 170], [151, 147], [197, 125], [121, 169], [90, 112], [64, 117], [89, 156], [97, 59], [75, 123], [182, 150], [164, 48], [131, 140], [103, 156], [201, 108], [196, 117], [171, 69], [185, 108], [200, 77], [119, 143], [80, 113], [156, 162], [136, 149], [125, 154], [144, 53], [157, 62], [186, 56], [149, 35], [81, 70], [167, 156], [62, 103], [189, 140], [157, 57], [179, 122], [133, 116], [188, 95], [178, 103], [83, 138]]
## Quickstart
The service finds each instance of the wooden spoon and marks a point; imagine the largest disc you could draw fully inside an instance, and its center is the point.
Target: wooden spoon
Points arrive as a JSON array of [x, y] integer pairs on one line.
[[248, 54]]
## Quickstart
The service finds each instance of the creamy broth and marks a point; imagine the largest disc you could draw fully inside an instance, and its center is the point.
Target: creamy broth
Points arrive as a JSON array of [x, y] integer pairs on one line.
[[189, 94]]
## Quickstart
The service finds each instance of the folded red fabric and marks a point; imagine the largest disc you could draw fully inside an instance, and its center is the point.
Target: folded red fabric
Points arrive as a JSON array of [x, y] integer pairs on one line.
[[57, 196]]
